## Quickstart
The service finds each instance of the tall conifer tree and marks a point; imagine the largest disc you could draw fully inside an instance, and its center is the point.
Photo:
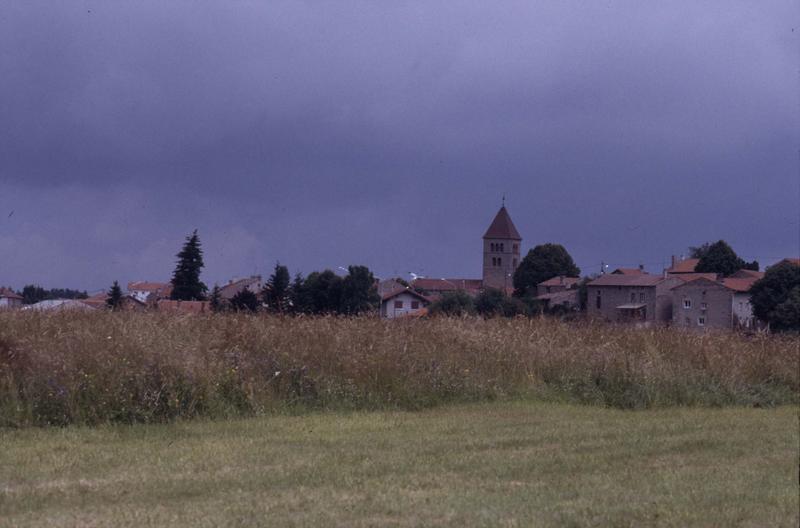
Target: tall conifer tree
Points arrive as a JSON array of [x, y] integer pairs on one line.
[[114, 299], [186, 284]]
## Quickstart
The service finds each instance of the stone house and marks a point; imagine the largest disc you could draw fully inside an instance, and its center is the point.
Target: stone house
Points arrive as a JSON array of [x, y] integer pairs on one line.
[[703, 303], [644, 298], [236, 286], [149, 292]]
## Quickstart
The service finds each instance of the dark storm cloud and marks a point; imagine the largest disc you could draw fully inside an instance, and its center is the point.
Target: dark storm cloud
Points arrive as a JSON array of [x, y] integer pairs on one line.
[[324, 134]]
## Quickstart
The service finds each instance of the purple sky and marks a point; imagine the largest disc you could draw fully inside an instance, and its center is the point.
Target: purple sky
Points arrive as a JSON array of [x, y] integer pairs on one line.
[[327, 134]]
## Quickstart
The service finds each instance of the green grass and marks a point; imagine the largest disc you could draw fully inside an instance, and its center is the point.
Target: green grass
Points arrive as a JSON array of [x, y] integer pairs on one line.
[[491, 464]]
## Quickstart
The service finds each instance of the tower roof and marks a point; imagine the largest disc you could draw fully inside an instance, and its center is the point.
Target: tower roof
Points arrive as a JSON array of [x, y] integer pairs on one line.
[[502, 227]]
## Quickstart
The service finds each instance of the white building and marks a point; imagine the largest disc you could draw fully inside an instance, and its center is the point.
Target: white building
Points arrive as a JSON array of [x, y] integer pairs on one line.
[[9, 300], [401, 303]]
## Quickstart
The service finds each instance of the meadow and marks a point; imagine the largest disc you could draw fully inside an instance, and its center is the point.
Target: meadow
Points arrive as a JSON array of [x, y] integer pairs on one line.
[[487, 464], [94, 368]]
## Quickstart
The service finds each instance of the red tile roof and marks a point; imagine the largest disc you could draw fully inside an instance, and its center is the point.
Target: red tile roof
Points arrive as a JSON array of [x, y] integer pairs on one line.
[[502, 227], [739, 285], [684, 266], [745, 274], [795, 261], [9, 294], [627, 271]]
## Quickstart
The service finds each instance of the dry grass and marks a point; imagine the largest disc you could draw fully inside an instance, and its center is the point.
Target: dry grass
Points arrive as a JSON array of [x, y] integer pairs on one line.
[[126, 367]]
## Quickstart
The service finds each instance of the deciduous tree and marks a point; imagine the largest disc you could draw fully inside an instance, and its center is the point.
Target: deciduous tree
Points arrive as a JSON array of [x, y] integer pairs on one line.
[[775, 297], [541, 263]]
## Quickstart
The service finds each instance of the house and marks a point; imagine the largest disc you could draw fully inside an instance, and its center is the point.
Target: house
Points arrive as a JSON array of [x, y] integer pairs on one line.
[[566, 299], [401, 303], [556, 284], [9, 300], [704, 303], [128, 302], [149, 292], [236, 286], [642, 298]]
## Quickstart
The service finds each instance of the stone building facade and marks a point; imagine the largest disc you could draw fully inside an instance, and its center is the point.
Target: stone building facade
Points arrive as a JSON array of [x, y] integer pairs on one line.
[[643, 298]]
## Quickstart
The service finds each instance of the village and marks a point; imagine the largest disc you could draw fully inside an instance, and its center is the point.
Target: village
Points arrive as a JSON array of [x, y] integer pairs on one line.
[[679, 296]]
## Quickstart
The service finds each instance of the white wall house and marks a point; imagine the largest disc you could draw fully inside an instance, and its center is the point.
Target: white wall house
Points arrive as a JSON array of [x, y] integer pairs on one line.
[[401, 303], [9, 300]]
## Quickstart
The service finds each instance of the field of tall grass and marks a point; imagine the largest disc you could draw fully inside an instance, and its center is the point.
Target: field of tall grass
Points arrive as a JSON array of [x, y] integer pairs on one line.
[[88, 368]]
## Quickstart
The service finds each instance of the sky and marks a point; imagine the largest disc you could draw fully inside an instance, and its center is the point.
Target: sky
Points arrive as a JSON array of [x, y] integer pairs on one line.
[[323, 134]]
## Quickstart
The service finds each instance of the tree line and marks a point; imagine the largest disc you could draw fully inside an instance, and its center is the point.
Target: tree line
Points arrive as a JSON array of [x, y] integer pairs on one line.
[[322, 292]]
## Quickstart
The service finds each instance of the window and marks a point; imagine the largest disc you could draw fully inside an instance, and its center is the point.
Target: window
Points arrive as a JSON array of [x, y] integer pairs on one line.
[[633, 297], [398, 304], [515, 247], [597, 300], [703, 306], [414, 305], [687, 303], [493, 247], [701, 321], [501, 247], [499, 261], [642, 296], [494, 261]]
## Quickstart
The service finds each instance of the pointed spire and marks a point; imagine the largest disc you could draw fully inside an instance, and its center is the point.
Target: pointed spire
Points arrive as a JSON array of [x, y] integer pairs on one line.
[[502, 227]]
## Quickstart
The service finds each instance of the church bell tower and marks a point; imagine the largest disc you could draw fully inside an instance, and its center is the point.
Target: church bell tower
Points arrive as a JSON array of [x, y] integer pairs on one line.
[[501, 245]]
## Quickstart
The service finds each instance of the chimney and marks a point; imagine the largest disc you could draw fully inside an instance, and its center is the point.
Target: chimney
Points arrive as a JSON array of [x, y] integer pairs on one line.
[[641, 267], [674, 261]]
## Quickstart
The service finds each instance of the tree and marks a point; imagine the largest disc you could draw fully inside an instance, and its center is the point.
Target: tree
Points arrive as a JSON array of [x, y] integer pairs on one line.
[[456, 303], [492, 302], [32, 294], [359, 293], [324, 292], [216, 303], [186, 284], [114, 299], [775, 297], [298, 296], [541, 263], [276, 291], [720, 258], [245, 301]]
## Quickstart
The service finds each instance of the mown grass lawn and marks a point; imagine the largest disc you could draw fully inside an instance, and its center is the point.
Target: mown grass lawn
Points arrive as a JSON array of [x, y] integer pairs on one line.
[[494, 464]]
